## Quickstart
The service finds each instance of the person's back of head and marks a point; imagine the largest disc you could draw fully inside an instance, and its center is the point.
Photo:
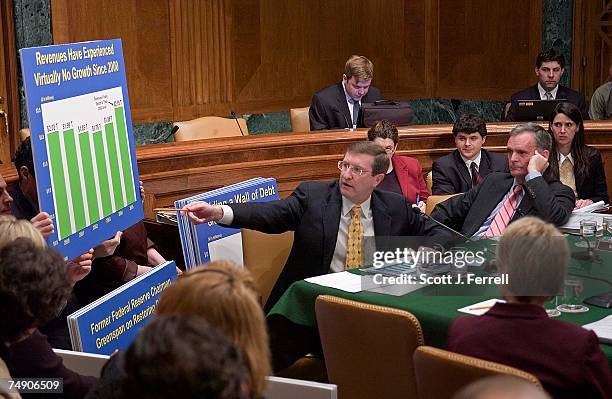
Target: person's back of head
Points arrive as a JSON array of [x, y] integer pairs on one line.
[[226, 296], [535, 255], [33, 287], [12, 228], [184, 357], [501, 387]]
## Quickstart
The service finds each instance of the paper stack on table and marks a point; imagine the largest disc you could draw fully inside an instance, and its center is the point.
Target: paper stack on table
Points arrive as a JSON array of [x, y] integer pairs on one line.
[[480, 308], [602, 328]]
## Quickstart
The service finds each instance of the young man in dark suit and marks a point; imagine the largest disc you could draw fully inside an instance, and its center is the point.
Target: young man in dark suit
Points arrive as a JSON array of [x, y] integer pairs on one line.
[[338, 106], [469, 164], [486, 210], [565, 357], [550, 66]]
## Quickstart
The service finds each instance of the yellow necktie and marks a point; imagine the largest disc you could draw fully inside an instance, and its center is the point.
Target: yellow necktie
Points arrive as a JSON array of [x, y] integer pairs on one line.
[[354, 244], [566, 174]]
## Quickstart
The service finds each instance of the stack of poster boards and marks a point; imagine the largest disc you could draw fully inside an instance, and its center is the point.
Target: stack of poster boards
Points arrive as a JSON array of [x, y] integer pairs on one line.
[[210, 241], [82, 142], [112, 322]]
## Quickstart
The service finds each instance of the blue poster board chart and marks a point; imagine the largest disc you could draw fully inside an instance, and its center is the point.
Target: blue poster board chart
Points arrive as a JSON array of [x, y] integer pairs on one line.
[[82, 141]]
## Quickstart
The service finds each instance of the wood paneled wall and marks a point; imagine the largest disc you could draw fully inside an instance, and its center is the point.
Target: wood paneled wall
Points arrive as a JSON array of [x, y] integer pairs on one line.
[[188, 58], [591, 44]]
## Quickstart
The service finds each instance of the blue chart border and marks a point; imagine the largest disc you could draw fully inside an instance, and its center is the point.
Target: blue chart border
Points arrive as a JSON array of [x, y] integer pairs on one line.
[[35, 61]]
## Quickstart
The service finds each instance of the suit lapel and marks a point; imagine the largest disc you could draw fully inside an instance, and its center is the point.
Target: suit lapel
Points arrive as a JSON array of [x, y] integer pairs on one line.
[[498, 188], [331, 220], [463, 170], [485, 164], [380, 214], [402, 178], [343, 106]]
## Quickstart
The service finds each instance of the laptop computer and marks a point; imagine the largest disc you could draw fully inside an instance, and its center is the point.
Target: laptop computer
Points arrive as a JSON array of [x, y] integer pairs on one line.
[[535, 110]]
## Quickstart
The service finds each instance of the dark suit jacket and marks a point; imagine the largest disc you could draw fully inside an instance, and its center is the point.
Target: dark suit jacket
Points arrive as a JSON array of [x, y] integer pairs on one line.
[[410, 178], [566, 358], [544, 197], [532, 93], [592, 185], [313, 212], [451, 176], [329, 109]]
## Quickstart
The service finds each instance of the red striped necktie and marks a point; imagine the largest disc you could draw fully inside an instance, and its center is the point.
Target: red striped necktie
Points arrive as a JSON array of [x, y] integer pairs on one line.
[[476, 178], [505, 213]]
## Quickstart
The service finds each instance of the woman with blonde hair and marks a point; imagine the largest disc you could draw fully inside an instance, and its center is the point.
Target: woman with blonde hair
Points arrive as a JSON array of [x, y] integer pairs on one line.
[[12, 228], [226, 297]]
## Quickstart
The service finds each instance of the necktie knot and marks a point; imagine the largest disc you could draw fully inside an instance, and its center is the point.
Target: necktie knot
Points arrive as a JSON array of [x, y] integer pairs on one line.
[[356, 210], [518, 188], [548, 95]]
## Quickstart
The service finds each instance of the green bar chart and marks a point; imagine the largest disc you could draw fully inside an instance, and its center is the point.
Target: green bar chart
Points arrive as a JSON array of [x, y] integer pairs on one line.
[[89, 158]]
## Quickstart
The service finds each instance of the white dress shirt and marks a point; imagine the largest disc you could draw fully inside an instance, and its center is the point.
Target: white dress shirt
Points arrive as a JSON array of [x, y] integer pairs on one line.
[[543, 92], [469, 162]]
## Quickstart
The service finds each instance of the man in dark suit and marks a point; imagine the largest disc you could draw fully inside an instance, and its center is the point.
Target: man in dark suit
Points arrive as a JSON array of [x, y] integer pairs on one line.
[[550, 66], [338, 106], [320, 215], [325, 220], [565, 357], [485, 210], [469, 164]]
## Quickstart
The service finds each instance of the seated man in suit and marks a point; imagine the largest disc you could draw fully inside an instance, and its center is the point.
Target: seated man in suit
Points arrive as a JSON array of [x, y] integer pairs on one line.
[[550, 66], [601, 101], [330, 221], [338, 106], [565, 357], [469, 164], [327, 217], [486, 210]]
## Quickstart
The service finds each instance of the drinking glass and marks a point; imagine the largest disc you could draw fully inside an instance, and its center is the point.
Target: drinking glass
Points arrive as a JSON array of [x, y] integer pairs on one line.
[[571, 300], [588, 228], [551, 307]]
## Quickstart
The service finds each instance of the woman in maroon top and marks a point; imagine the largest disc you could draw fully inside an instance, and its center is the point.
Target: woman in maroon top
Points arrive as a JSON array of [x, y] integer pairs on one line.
[[565, 357], [404, 176]]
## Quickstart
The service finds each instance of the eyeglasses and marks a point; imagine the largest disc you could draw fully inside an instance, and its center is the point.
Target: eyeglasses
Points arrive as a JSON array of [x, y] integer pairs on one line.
[[356, 170]]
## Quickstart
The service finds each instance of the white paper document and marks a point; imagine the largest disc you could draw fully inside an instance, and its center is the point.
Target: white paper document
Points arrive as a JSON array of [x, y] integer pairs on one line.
[[595, 206], [344, 281], [480, 308], [576, 217], [602, 328]]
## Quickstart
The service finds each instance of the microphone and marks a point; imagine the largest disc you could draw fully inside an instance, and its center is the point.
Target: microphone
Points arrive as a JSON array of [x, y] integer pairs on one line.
[[589, 255], [426, 216], [174, 130], [237, 123], [349, 126]]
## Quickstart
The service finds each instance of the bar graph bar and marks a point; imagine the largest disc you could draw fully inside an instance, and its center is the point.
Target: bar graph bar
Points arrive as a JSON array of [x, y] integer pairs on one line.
[[89, 159], [89, 177]]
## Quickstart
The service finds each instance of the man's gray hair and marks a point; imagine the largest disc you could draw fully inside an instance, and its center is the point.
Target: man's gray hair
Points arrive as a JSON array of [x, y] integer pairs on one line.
[[542, 137]]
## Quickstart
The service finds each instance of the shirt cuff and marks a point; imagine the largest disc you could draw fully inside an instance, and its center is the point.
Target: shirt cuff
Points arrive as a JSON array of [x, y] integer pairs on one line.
[[228, 215], [532, 175]]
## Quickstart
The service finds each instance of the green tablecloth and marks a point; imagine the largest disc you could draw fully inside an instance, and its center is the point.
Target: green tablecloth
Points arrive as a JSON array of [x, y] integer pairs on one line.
[[435, 311]]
